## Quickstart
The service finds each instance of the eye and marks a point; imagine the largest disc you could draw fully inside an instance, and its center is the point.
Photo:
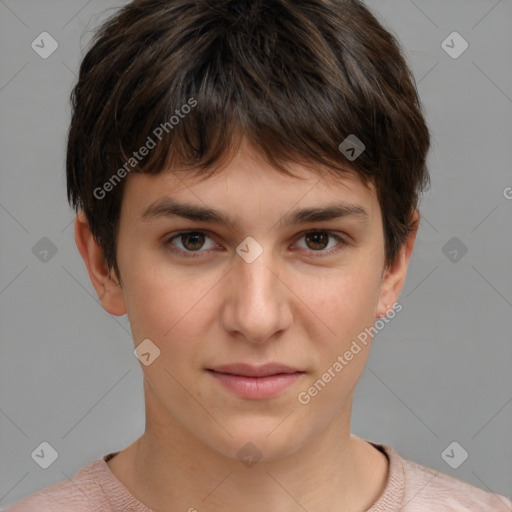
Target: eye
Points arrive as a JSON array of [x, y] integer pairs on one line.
[[186, 243], [190, 241], [317, 241]]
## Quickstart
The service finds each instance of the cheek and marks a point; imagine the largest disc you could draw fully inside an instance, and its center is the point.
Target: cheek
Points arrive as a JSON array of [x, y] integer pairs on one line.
[[341, 303], [173, 309], [346, 303]]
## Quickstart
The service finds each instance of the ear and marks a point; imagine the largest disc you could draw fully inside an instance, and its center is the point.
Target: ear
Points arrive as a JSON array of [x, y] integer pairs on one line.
[[394, 276], [107, 288]]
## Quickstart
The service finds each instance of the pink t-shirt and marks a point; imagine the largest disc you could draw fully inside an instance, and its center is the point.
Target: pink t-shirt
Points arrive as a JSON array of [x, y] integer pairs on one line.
[[410, 488]]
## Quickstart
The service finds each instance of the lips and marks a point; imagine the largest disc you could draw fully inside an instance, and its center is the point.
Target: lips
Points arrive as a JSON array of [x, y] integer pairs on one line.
[[255, 382], [246, 370]]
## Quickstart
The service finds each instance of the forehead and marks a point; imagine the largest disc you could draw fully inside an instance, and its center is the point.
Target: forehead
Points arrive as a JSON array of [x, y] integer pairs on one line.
[[247, 183]]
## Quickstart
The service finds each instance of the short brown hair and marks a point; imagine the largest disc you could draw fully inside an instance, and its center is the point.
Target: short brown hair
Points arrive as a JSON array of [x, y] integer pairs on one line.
[[295, 77]]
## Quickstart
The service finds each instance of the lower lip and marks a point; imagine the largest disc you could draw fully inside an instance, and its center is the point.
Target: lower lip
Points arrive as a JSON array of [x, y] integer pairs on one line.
[[256, 388]]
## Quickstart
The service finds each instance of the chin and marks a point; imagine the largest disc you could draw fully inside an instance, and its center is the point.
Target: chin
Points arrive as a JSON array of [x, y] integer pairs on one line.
[[256, 440]]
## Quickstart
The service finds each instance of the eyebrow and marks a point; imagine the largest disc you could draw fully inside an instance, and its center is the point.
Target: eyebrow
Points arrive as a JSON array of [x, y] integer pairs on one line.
[[167, 207]]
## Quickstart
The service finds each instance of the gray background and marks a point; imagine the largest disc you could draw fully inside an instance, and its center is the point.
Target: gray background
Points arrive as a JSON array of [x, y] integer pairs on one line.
[[438, 373]]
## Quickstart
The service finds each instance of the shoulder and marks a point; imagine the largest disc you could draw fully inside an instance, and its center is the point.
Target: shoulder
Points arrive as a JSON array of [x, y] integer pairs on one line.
[[427, 489], [81, 493]]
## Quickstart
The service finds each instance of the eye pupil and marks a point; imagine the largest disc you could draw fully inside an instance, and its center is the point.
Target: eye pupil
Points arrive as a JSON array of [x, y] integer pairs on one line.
[[320, 238], [196, 244]]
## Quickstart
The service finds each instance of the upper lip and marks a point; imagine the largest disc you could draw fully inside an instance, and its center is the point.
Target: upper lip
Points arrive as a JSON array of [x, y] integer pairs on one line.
[[247, 370]]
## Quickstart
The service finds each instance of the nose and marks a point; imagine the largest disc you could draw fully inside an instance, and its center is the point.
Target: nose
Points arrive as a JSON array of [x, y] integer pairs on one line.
[[258, 303]]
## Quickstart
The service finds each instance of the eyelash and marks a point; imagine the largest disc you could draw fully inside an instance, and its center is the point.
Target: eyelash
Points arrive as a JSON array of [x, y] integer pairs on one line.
[[197, 254]]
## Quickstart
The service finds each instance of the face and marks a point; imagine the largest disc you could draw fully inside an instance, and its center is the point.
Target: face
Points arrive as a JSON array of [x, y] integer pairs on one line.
[[273, 286]]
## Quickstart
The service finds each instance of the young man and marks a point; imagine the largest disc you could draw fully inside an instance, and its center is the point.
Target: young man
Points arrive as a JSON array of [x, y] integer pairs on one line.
[[246, 177]]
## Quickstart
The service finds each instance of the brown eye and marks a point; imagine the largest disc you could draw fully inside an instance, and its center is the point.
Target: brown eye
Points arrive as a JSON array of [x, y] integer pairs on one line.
[[186, 243], [192, 241], [317, 240], [324, 243]]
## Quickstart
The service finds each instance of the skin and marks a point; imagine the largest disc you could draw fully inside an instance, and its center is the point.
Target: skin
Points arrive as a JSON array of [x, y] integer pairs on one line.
[[295, 304]]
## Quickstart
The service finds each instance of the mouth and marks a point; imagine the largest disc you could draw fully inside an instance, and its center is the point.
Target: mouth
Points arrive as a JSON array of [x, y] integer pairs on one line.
[[247, 370], [255, 383]]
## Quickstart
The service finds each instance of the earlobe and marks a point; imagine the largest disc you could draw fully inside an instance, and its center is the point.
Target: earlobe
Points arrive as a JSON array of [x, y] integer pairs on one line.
[[107, 287], [394, 276]]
